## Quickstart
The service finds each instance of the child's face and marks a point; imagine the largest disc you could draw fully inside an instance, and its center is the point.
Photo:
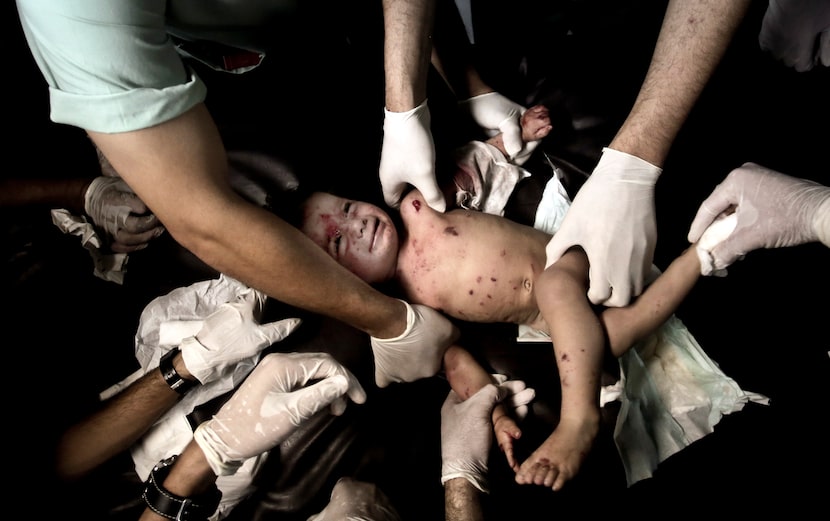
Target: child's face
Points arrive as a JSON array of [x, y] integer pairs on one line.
[[358, 235]]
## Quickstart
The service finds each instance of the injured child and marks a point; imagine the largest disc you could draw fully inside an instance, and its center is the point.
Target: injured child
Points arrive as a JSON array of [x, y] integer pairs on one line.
[[479, 267]]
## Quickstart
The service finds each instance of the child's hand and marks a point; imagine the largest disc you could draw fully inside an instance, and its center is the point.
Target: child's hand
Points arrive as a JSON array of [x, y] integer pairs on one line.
[[506, 431], [536, 123]]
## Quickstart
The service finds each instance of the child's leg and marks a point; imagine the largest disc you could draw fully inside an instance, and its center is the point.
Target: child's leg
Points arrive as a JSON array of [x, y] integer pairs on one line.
[[466, 377], [579, 344]]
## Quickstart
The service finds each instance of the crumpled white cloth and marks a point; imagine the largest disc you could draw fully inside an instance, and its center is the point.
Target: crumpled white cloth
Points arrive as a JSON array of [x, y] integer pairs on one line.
[[164, 323], [671, 393], [107, 266], [486, 178]]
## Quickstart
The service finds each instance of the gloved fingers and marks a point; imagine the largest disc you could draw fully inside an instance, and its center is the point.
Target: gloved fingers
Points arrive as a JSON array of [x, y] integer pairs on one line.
[[277, 331], [320, 366], [392, 192], [136, 224], [518, 393], [432, 194], [248, 301], [310, 400], [718, 202], [130, 199], [125, 242], [600, 290]]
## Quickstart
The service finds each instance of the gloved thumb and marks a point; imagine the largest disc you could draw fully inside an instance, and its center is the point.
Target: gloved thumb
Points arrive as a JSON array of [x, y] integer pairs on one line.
[[433, 196], [706, 215], [392, 193], [276, 331], [512, 135], [327, 392]]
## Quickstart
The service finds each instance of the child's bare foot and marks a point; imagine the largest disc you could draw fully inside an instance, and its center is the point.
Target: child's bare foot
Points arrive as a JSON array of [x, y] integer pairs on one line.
[[535, 123], [506, 432], [560, 456]]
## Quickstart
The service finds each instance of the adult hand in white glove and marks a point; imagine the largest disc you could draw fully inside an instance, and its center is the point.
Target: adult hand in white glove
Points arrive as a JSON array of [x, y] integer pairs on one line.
[[772, 210], [418, 352], [115, 208], [797, 32], [231, 334], [275, 399], [517, 395], [467, 435], [495, 113], [408, 157], [613, 219]]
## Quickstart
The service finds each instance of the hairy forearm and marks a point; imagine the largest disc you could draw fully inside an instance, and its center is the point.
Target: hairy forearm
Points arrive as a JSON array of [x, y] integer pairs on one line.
[[461, 501], [407, 51], [185, 183], [122, 421], [49, 193], [692, 40]]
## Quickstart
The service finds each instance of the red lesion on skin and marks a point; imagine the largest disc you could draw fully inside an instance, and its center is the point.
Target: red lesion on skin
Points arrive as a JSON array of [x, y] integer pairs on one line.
[[471, 292], [478, 279], [450, 230], [417, 205], [493, 279], [564, 357]]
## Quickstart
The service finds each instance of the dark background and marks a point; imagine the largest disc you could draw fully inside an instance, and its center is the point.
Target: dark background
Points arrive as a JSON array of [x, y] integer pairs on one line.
[[319, 105]]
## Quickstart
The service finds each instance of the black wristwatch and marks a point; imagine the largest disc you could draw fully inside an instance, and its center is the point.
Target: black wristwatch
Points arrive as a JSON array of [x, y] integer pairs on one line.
[[171, 376], [169, 505]]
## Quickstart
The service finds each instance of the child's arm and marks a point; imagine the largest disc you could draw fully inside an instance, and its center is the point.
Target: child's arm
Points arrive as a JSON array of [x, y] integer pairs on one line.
[[466, 377], [626, 325]]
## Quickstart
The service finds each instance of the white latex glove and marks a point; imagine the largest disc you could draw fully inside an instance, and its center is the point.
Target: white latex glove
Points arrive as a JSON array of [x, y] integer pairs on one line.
[[517, 395], [231, 334], [773, 210], [797, 32], [467, 435], [495, 113], [613, 219], [271, 404], [408, 157], [115, 208], [418, 352]]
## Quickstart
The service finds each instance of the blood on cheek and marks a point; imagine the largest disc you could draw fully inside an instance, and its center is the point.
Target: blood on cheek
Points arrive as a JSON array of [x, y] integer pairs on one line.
[[330, 226]]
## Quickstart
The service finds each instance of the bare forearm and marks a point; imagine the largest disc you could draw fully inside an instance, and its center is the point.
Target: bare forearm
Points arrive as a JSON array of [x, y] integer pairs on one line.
[[50, 193], [626, 325], [185, 183], [692, 41], [461, 501], [113, 429], [407, 51], [189, 476]]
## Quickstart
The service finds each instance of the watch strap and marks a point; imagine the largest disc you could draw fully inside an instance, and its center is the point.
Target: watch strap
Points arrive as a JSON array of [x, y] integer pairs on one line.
[[171, 376], [172, 506]]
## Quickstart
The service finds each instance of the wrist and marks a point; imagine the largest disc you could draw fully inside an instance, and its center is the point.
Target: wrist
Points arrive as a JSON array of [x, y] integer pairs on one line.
[[176, 374], [188, 497]]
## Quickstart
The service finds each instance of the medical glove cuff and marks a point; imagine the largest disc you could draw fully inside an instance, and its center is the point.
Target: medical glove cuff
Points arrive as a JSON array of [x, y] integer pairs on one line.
[[821, 222], [418, 352], [472, 474], [216, 451], [626, 168]]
